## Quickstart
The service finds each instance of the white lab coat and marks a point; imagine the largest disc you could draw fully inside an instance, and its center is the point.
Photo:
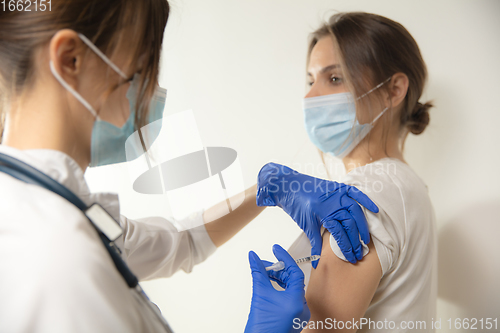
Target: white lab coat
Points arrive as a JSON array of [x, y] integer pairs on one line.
[[55, 274]]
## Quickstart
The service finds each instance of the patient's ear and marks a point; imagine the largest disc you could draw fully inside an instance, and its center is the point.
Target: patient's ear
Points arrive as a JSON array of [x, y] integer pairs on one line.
[[398, 87]]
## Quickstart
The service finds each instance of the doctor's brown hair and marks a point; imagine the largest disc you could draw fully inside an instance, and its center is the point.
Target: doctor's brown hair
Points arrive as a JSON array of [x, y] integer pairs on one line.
[[371, 49], [101, 21]]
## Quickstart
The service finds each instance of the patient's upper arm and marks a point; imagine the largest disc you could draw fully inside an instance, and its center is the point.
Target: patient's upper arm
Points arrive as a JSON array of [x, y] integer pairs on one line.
[[340, 290]]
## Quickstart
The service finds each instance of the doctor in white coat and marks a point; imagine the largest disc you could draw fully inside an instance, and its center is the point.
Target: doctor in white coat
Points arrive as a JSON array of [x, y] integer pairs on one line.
[[76, 79], [67, 107]]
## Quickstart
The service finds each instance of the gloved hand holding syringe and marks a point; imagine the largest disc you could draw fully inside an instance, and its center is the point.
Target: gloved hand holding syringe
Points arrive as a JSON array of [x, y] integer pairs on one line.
[[278, 266]]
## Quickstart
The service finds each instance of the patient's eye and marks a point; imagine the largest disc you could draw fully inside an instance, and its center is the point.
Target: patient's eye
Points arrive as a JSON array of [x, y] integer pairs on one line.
[[335, 79]]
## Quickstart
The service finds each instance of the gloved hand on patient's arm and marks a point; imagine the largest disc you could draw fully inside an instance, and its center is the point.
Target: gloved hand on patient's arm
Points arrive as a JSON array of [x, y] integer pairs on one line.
[[312, 202], [275, 310]]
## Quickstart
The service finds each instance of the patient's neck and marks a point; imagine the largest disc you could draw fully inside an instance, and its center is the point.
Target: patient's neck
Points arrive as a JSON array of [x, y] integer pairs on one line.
[[369, 151]]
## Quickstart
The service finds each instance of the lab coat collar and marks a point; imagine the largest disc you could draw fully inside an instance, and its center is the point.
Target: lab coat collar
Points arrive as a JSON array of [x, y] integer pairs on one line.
[[62, 168]]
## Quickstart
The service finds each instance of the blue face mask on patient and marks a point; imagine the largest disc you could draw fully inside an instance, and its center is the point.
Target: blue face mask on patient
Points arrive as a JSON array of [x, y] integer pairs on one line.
[[108, 140], [331, 123]]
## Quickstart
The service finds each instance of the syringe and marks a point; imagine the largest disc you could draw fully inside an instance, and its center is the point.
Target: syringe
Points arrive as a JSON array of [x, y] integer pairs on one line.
[[278, 266]]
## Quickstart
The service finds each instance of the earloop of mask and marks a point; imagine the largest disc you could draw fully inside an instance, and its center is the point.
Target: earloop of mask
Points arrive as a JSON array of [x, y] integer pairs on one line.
[[72, 91], [374, 88], [380, 115]]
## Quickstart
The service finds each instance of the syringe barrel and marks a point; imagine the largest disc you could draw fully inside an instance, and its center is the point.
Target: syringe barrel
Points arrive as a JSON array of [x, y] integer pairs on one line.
[[277, 266]]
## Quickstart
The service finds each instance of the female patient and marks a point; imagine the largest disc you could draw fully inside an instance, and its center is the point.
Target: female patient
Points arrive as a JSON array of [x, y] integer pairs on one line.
[[366, 78]]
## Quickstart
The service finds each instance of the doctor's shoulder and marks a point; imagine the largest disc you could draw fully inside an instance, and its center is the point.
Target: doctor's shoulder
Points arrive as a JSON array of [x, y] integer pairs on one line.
[[43, 226], [51, 255]]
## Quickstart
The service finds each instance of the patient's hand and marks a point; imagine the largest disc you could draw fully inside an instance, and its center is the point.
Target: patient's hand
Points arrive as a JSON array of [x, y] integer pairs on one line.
[[340, 290]]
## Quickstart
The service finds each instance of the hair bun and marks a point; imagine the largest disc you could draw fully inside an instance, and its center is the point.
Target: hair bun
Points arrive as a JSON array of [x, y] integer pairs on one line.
[[419, 118]]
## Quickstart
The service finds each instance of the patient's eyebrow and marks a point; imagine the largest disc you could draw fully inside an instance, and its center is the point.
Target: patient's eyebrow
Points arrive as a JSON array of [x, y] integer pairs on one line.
[[326, 69], [329, 68]]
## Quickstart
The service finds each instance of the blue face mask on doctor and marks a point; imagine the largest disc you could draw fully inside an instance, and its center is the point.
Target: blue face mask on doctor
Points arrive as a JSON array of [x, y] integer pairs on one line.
[[108, 141], [331, 123]]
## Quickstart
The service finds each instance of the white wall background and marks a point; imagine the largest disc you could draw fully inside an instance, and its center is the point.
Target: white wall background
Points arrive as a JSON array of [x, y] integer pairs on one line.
[[240, 65]]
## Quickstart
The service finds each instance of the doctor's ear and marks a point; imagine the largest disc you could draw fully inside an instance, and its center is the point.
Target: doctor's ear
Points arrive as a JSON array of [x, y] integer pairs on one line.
[[66, 51], [397, 88]]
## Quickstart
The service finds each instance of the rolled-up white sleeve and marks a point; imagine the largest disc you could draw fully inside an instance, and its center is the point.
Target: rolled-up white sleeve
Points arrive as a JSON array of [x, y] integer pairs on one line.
[[154, 248], [387, 250]]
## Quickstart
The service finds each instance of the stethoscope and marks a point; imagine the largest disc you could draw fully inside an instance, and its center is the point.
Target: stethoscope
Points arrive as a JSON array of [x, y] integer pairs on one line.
[[107, 228]]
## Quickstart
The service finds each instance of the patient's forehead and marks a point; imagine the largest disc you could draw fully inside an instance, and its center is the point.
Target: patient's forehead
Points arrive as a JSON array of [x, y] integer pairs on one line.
[[323, 55]]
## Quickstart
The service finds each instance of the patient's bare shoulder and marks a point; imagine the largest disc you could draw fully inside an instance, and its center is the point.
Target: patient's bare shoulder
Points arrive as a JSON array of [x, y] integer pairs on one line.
[[340, 290]]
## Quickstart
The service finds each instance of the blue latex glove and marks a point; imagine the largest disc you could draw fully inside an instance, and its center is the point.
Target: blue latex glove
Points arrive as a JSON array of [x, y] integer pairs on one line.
[[275, 310], [313, 202]]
